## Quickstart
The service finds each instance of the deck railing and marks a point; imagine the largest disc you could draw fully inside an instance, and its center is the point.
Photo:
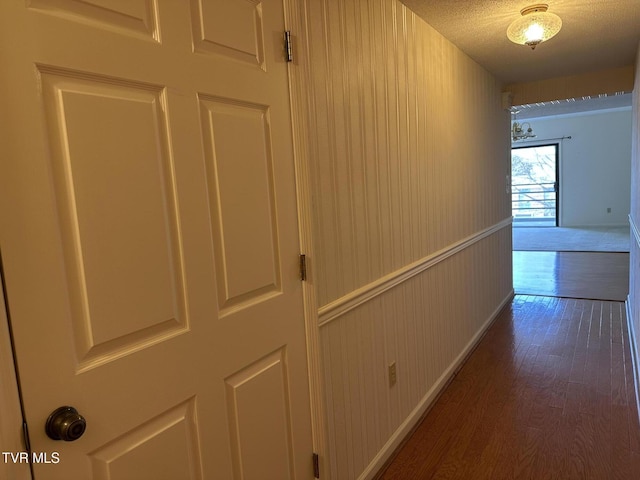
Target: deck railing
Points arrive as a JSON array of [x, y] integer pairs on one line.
[[533, 200]]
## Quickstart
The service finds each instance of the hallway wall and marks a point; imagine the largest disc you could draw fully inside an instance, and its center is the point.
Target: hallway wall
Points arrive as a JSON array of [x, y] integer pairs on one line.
[[633, 305], [408, 156]]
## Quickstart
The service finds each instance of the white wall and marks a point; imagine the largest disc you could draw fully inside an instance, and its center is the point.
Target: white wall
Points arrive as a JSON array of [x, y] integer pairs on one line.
[[595, 165]]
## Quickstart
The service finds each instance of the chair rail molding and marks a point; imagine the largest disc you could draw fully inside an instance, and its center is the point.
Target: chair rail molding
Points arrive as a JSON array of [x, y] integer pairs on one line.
[[339, 307]]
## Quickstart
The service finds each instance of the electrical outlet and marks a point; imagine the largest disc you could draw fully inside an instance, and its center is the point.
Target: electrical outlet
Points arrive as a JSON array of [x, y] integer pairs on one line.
[[393, 378]]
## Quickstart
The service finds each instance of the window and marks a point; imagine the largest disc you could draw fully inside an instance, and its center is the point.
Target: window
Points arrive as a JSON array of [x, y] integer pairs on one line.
[[534, 185]]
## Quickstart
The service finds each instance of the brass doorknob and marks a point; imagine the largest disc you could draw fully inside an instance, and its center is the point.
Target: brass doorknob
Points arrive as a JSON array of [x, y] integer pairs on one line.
[[65, 423]]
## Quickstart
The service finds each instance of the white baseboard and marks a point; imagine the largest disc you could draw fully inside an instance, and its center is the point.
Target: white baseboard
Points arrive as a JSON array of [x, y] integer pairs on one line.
[[598, 225], [416, 415]]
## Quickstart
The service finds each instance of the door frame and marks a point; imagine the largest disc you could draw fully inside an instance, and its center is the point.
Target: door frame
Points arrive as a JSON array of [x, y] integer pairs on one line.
[[299, 81], [11, 433]]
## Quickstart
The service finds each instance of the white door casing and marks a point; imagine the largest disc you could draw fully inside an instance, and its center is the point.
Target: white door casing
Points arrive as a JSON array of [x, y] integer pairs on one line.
[[148, 226]]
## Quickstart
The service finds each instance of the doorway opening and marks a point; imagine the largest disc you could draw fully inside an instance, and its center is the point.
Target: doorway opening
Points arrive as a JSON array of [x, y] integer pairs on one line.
[[534, 185]]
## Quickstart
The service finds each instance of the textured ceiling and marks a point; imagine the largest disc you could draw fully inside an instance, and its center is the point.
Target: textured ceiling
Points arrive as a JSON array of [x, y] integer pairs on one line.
[[595, 35]]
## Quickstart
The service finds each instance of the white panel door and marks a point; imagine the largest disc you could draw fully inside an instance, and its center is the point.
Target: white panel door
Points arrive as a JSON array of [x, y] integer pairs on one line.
[[149, 235]]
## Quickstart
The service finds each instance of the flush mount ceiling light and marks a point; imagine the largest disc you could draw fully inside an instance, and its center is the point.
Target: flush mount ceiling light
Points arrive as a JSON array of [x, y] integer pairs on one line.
[[535, 26]]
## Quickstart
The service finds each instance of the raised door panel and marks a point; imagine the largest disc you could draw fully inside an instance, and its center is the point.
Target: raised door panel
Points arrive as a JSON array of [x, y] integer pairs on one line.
[[174, 432], [230, 28], [115, 194], [136, 17], [242, 202], [261, 442]]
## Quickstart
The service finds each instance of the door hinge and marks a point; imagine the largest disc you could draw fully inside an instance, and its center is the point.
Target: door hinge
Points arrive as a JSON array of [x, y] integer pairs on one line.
[[303, 267], [288, 48], [316, 465]]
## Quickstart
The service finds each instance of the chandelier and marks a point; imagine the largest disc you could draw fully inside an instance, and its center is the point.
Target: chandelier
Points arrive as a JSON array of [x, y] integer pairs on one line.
[[520, 131]]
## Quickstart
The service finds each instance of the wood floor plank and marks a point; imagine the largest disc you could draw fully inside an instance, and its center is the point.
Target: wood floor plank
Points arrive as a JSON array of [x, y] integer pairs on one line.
[[591, 275], [547, 394]]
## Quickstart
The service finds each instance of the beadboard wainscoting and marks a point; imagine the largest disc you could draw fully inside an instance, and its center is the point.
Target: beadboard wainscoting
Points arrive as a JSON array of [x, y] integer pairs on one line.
[[354, 299], [403, 164], [424, 329]]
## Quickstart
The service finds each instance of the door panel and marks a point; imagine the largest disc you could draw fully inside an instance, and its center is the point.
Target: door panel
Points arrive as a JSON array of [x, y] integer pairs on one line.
[[174, 431], [114, 184], [240, 178], [133, 17], [251, 423], [232, 29], [150, 237]]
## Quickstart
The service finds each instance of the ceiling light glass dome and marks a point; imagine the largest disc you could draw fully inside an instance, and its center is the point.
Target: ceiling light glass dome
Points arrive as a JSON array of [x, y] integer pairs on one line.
[[535, 26]]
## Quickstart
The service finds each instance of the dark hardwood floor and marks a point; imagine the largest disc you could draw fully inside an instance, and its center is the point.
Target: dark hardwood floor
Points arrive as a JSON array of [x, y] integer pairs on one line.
[[592, 275], [547, 394]]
